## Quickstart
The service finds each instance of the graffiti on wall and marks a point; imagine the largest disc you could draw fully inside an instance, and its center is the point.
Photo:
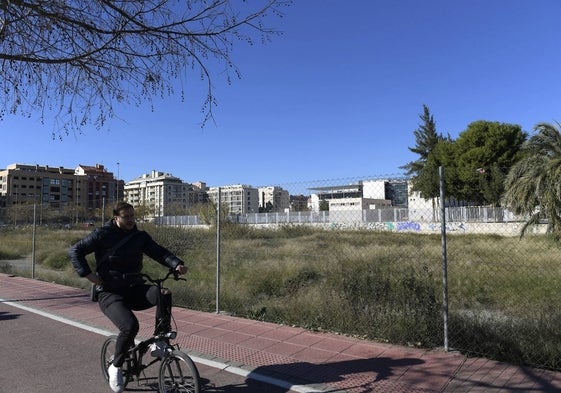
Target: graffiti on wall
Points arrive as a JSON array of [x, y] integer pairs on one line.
[[408, 226], [403, 226]]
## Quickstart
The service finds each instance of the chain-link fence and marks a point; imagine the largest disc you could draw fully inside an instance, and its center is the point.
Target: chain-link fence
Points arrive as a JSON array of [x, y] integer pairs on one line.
[[358, 256]]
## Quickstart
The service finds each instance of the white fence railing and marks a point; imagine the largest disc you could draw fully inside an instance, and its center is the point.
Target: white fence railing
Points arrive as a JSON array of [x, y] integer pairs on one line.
[[475, 214]]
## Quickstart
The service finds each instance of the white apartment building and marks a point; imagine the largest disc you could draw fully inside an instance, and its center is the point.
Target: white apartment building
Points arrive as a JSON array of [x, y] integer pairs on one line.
[[162, 193], [238, 199], [273, 199]]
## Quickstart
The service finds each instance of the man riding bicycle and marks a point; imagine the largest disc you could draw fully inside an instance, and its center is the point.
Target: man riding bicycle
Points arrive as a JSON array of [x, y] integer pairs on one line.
[[119, 248]]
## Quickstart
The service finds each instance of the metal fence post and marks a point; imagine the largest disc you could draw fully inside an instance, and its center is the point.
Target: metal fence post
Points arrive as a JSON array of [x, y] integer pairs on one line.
[[218, 213], [33, 242], [444, 259]]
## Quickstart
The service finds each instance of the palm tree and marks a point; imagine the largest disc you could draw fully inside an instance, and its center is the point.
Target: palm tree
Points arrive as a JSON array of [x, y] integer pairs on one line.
[[533, 184]]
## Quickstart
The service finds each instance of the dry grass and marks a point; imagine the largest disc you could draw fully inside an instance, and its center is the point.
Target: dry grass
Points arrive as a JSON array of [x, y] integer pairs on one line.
[[503, 291]]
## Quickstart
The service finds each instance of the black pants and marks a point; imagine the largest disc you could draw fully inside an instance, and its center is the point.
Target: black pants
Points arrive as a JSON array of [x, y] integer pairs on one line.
[[118, 307]]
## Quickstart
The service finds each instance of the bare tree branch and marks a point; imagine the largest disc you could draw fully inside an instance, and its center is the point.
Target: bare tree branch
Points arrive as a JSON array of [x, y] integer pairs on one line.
[[78, 58]]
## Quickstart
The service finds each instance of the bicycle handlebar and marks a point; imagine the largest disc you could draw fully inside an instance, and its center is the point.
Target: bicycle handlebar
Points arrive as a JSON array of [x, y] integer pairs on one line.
[[170, 272]]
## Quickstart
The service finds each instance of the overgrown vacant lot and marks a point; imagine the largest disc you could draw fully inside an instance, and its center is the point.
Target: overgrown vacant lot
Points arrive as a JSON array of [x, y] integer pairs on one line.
[[503, 292]]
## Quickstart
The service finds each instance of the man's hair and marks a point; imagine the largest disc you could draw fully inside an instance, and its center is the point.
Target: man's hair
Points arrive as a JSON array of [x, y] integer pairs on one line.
[[120, 206]]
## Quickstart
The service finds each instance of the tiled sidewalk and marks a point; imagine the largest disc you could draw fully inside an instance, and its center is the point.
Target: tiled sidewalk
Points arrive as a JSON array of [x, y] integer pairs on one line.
[[294, 358]]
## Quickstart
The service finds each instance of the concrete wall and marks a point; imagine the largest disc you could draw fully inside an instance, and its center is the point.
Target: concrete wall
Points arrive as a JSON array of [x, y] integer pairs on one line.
[[502, 229]]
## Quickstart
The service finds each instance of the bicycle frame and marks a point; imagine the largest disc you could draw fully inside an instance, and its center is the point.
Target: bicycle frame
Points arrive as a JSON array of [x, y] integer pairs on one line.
[[158, 284]]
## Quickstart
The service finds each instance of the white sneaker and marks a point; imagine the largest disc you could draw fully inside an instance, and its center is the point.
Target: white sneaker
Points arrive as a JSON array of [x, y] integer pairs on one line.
[[115, 378], [158, 349]]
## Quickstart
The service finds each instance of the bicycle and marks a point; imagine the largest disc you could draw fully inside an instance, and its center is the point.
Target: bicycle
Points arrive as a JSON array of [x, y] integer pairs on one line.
[[177, 373]]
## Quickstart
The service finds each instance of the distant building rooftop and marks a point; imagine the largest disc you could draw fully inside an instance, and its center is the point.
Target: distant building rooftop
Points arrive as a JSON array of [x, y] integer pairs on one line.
[[336, 188]]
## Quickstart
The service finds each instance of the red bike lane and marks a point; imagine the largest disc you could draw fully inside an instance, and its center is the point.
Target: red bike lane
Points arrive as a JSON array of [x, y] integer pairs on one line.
[[250, 352], [45, 355]]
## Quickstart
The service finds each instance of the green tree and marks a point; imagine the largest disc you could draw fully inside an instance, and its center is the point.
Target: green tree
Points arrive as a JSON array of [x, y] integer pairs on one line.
[[427, 182], [533, 184], [485, 152], [208, 211], [426, 139], [424, 170], [492, 183], [77, 58], [324, 205], [143, 211], [175, 208]]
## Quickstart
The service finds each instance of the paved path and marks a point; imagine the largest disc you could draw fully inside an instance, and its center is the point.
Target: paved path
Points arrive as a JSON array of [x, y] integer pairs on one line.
[[293, 358], [40, 355]]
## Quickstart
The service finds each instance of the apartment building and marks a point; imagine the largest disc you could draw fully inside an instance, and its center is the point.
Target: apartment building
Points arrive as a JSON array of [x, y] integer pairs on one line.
[[238, 199], [80, 192], [273, 199], [162, 193], [97, 187], [22, 184], [200, 192], [300, 203], [87, 189]]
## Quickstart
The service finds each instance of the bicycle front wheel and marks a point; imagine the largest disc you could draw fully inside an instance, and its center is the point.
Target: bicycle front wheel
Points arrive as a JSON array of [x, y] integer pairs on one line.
[[178, 374], [107, 355]]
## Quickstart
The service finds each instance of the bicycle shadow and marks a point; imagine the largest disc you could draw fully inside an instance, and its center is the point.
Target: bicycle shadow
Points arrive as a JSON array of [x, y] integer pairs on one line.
[[279, 378], [6, 316], [371, 371], [250, 386]]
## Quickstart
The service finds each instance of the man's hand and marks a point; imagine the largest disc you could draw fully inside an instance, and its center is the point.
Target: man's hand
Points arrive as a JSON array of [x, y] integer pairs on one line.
[[181, 269], [94, 279]]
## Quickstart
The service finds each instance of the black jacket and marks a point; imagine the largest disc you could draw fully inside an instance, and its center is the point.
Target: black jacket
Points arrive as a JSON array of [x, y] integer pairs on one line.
[[126, 259]]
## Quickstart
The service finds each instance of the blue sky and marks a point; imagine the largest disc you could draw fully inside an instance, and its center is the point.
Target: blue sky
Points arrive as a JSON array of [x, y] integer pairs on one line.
[[338, 95]]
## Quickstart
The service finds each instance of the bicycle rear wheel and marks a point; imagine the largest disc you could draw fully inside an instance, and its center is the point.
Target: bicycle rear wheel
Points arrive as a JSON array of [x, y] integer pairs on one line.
[[178, 374]]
